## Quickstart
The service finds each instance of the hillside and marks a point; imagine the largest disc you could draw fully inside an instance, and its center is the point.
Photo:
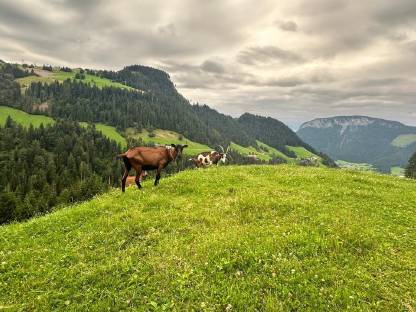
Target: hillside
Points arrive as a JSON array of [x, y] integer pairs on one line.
[[23, 118], [266, 153], [109, 132], [261, 238], [360, 139], [56, 74], [159, 136], [276, 134], [111, 98], [263, 151]]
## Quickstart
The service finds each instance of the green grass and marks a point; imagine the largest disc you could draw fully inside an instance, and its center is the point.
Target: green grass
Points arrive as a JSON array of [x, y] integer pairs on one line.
[[58, 75], [397, 171], [355, 166], [404, 140], [262, 155], [23, 118], [168, 137], [110, 132], [272, 151], [266, 152], [26, 119], [300, 151], [256, 238]]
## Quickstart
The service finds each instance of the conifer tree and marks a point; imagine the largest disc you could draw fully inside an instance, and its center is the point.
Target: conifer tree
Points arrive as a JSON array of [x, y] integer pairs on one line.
[[411, 167]]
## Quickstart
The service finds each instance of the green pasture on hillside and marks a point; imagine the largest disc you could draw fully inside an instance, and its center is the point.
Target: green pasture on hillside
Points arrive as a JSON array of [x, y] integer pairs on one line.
[[23, 118], [168, 137], [249, 238]]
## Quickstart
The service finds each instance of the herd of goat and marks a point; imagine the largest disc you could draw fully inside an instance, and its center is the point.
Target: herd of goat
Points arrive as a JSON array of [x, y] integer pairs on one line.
[[143, 159]]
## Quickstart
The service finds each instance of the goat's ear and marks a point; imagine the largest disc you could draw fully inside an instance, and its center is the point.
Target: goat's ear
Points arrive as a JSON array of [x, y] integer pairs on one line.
[[186, 145], [173, 145]]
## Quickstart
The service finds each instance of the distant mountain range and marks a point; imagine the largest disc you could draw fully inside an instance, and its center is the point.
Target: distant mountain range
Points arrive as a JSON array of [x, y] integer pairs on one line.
[[361, 139]]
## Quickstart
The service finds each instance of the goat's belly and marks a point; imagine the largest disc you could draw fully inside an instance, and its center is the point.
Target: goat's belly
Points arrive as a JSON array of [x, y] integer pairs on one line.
[[149, 167]]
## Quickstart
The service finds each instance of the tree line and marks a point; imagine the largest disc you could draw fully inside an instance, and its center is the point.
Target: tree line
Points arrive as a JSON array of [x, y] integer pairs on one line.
[[43, 167], [410, 171]]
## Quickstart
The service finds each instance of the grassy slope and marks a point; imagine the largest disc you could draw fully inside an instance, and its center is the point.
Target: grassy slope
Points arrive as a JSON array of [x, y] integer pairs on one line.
[[355, 166], [26, 119], [249, 151], [110, 132], [397, 171], [266, 152], [62, 76], [22, 117], [300, 151], [260, 238], [272, 151], [168, 137], [404, 140]]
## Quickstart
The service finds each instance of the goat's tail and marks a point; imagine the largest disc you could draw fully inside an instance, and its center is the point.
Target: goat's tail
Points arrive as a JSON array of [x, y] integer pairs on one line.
[[125, 160]]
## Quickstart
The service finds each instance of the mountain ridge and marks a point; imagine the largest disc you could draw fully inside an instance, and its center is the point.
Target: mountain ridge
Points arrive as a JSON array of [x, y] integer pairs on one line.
[[354, 118], [361, 139]]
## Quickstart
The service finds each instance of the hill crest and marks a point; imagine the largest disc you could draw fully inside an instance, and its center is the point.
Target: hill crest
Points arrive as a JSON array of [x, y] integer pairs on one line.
[[348, 121]]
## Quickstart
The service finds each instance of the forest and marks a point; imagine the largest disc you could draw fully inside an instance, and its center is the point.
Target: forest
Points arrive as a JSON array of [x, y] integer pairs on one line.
[[48, 166]]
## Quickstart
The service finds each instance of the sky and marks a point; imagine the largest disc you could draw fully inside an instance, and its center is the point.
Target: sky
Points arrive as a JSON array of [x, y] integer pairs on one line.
[[294, 60]]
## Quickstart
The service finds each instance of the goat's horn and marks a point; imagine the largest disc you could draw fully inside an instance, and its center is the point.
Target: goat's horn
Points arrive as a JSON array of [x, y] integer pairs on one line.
[[222, 148]]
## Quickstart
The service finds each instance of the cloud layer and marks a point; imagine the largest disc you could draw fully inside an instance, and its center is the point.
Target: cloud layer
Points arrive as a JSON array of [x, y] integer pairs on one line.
[[292, 60]]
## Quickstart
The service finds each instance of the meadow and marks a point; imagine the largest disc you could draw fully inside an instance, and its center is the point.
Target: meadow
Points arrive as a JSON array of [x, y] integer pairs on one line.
[[162, 137], [266, 152], [247, 238], [355, 166], [23, 118], [110, 132], [404, 140], [58, 75]]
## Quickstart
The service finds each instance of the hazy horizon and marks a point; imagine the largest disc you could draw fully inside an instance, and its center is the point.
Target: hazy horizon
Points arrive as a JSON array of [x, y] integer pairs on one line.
[[292, 61]]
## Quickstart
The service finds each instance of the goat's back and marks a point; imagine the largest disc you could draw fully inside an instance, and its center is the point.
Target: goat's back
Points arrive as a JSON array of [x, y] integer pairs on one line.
[[147, 156]]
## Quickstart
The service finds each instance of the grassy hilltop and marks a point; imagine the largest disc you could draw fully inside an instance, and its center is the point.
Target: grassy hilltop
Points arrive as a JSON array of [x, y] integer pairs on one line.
[[268, 238]]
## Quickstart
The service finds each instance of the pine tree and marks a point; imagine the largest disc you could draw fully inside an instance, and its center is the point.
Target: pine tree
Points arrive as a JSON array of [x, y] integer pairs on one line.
[[411, 167]]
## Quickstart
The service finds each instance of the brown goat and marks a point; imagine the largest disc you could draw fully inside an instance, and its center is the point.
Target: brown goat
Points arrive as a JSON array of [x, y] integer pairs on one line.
[[148, 158]]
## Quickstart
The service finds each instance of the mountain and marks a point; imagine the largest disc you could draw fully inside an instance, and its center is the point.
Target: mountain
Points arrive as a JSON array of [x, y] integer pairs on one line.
[[361, 139], [137, 97]]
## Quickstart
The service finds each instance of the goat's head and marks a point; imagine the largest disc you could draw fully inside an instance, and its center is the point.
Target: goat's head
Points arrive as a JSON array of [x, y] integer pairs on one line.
[[178, 149], [223, 155]]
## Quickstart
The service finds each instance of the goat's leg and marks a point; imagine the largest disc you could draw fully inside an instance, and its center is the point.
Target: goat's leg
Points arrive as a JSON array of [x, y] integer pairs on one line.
[[138, 175], [123, 180], [159, 170]]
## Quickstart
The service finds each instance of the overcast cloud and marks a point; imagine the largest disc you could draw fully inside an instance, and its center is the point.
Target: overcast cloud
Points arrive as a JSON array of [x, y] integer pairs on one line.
[[293, 60]]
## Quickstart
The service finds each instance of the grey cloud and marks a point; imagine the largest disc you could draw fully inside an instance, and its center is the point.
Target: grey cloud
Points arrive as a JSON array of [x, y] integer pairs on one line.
[[267, 54], [212, 66], [397, 12], [287, 25], [346, 56]]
